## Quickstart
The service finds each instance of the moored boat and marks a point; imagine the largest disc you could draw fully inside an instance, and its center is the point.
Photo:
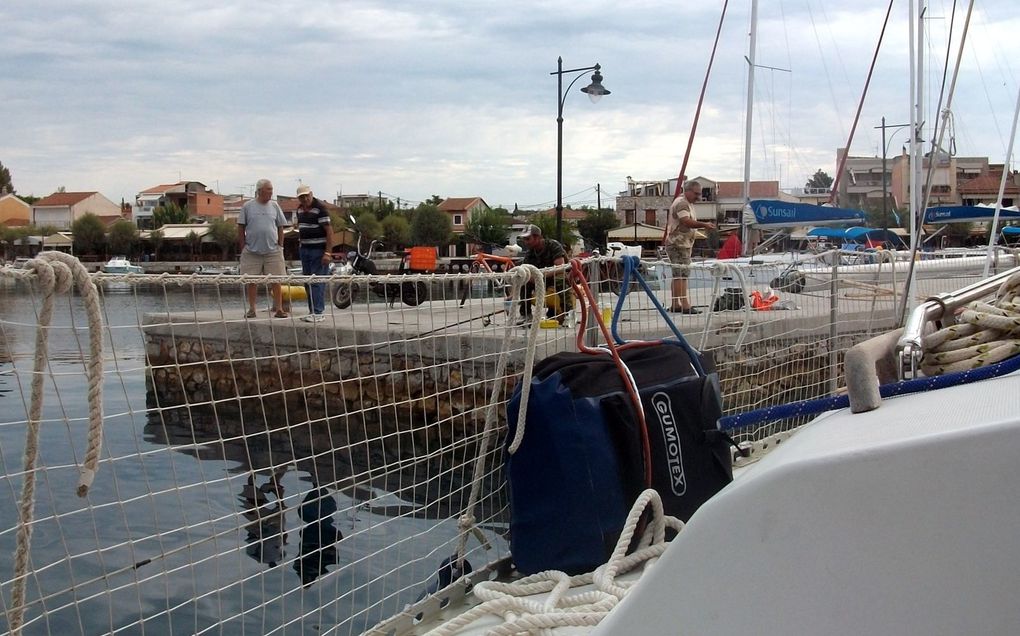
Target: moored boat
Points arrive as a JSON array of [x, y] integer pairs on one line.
[[121, 265]]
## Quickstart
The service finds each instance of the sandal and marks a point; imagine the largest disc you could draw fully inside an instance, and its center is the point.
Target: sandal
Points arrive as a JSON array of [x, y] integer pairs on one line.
[[250, 314], [281, 314]]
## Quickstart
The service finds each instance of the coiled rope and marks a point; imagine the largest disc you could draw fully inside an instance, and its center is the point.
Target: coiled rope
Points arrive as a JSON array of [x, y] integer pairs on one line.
[[55, 272], [985, 333], [560, 609]]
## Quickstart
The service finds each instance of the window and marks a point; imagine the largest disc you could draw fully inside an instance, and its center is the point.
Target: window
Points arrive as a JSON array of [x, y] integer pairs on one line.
[[629, 216], [458, 219], [650, 217]]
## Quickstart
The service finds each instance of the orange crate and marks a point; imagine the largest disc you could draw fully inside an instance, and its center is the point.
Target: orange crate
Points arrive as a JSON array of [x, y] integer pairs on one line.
[[422, 258]]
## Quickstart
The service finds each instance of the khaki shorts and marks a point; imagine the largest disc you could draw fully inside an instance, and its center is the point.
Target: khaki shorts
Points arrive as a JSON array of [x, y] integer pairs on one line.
[[680, 258], [253, 264]]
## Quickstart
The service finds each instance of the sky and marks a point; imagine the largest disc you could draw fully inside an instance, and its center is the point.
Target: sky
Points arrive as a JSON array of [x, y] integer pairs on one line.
[[414, 98]]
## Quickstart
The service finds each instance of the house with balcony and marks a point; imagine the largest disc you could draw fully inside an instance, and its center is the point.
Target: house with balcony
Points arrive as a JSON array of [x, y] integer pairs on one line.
[[199, 201], [62, 209]]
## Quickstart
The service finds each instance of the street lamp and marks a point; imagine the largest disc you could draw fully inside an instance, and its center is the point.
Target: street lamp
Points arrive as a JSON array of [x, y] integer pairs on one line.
[[885, 176], [595, 91]]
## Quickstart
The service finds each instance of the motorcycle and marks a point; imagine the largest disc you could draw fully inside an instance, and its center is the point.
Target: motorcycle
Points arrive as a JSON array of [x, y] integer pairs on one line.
[[412, 293]]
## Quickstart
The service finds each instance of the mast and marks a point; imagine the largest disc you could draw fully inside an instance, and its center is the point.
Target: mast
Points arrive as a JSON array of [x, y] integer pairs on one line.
[[744, 230], [916, 122]]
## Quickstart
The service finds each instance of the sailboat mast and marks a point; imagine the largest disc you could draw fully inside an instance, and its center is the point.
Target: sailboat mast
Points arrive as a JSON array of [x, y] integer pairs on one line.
[[916, 118], [744, 229]]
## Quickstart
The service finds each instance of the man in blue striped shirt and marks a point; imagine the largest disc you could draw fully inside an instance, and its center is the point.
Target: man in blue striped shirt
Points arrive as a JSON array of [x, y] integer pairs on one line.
[[316, 235]]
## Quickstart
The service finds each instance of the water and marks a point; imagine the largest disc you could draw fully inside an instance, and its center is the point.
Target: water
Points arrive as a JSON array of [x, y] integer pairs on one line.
[[183, 533]]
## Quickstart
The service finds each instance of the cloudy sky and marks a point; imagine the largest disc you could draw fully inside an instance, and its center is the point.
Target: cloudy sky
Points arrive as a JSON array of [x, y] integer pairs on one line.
[[420, 97]]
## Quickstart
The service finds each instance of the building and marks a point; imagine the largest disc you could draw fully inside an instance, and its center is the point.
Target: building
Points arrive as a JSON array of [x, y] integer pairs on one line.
[[349, 201], [62, 209], [192, 196], [954, 181], [460, 211], [14, 211], [721, 202]]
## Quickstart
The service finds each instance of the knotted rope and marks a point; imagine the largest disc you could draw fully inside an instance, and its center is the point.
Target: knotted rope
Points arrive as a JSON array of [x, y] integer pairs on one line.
[[560, 609], [985, 333], [55, 272]]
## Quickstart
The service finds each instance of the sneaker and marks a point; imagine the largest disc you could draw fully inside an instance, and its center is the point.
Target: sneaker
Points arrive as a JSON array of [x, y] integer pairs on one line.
[[318, 317], [308, 318]]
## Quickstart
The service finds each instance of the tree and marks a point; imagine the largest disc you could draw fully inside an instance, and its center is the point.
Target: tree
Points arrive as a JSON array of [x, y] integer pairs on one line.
[[224, 234], [547, 223], [396, 231], [435, 200], [194, 242], [123, 238], [594, 228], [89, 234], [431, 226], [169, 213], [368, 226], [487, 227], [11, 235], [6, 186], [819, 180], [157, 239]]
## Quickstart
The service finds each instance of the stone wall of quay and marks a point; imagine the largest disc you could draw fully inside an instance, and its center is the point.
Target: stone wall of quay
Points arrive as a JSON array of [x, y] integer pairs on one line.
[[433, 400]]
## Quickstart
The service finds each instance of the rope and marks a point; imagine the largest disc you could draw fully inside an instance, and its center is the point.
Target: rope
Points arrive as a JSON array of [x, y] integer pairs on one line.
[[55, 272], [519, 277], [560, 609], [529, 356], [985, 333], [982, 345]]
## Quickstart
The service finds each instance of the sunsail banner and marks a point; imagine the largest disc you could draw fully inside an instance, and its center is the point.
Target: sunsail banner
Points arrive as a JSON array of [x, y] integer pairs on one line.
[[769, 213], [968, 214]]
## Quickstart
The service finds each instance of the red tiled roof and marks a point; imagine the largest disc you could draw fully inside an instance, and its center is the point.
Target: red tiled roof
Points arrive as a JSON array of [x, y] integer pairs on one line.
[[986, 184], [458, 204], [759, 189], [160, 189], [63, 198]]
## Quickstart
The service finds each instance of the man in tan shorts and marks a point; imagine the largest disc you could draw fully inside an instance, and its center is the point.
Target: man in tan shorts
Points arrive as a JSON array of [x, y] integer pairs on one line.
[[680, 239], [260, 241]]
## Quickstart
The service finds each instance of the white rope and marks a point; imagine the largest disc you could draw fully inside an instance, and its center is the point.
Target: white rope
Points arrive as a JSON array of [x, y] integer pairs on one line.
[[985, 333], [560, 609], [529, 355], [55, 272], [519, 277]]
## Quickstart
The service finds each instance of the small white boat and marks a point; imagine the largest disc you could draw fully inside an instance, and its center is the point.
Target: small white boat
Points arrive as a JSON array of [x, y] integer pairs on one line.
[[121, 265]]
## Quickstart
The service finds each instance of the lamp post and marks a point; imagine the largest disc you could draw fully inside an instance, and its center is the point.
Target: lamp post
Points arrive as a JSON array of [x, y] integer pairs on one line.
[[595, 91], [885, 176]]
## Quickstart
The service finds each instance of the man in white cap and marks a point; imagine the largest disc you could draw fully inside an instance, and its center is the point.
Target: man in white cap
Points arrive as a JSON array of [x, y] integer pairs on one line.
[[260, 241], [315, 232]]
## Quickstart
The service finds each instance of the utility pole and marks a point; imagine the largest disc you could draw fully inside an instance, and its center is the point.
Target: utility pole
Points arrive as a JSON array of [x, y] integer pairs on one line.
[[598, 195]]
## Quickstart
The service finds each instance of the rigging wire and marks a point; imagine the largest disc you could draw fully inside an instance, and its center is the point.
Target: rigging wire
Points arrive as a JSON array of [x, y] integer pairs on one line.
[[860, 106], [825, 67]]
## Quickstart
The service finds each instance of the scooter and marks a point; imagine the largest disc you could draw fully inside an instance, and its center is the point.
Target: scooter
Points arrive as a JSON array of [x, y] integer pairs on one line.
[[359, 262]]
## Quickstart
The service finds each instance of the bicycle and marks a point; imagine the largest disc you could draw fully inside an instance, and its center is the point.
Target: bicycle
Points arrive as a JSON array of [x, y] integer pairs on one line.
[[483, 264]]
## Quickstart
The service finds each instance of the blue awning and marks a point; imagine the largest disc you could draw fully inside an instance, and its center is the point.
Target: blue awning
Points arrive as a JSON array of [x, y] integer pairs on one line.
[[968, 214], [1011, 230], [857, 233], [770, 213]]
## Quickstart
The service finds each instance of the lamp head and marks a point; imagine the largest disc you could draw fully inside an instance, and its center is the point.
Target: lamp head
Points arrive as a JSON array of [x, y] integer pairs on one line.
[[595, 90]]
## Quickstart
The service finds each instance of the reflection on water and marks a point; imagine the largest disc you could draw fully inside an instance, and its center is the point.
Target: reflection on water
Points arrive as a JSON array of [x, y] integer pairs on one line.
[[319, 537], [265, 531]]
